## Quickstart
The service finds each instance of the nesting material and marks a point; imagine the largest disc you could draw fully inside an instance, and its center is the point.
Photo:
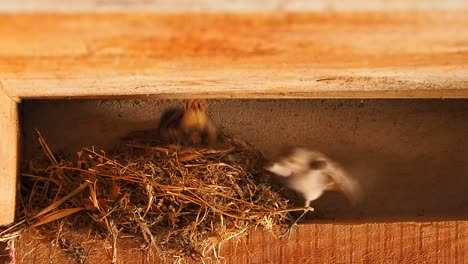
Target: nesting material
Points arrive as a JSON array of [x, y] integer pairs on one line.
[[180, 202]]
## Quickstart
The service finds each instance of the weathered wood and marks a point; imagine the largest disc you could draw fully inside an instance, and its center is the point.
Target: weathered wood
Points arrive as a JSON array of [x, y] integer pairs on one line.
[[404, 242], [327, 55], [8, 157], [230, 6], [401, 242]]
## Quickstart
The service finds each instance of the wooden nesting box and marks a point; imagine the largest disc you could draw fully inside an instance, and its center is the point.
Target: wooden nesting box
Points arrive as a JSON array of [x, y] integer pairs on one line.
[[375, 54]]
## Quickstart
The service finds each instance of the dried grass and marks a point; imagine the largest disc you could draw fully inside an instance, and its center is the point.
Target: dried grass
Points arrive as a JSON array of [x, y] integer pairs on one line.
[[180, 202]]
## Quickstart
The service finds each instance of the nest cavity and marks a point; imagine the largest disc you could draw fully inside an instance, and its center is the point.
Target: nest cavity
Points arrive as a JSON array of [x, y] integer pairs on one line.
[[177, 201]]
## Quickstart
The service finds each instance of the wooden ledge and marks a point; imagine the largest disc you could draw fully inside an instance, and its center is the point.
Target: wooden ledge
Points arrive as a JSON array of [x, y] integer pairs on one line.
[[400, 242], [169, 6], [300, 55]]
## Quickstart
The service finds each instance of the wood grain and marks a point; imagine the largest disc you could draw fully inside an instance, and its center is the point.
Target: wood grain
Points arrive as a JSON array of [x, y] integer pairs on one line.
[[400, 242], [300, 55], [224, 6], [403, 242], [8, 157]]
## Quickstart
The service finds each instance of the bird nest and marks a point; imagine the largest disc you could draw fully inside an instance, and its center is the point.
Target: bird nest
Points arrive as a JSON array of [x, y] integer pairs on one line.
[[180, 202]]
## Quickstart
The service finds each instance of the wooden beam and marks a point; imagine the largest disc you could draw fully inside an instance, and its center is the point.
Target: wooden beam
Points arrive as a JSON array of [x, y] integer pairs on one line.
[[300, 55], [226, 6], [8, 157], [399, 242]]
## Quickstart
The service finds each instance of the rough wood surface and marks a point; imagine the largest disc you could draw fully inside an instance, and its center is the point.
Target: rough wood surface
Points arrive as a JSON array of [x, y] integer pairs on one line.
[[8, 157], [328, 55], [403, 242], [220, 6]]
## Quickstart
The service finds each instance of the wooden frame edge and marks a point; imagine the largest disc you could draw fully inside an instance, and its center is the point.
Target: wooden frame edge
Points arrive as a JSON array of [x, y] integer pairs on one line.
[[9, 155]]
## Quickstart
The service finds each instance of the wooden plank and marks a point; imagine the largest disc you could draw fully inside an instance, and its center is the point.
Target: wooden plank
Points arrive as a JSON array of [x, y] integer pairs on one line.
[[231, 6], [401, 242], [325, 55], [8, 157]]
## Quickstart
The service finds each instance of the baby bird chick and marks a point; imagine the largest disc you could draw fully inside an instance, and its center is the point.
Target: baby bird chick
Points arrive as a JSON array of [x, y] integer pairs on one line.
[[196, 125], [311, 173], [190, 126]]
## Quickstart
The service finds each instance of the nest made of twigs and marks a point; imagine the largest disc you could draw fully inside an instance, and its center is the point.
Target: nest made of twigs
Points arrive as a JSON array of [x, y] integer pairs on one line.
[[178, 201]]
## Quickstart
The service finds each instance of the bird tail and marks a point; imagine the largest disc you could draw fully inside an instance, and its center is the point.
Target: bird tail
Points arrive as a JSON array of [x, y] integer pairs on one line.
[[344, 182]]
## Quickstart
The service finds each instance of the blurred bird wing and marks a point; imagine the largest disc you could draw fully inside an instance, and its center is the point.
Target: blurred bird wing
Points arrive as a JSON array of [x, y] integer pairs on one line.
[[279, 170], [345, 182]]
